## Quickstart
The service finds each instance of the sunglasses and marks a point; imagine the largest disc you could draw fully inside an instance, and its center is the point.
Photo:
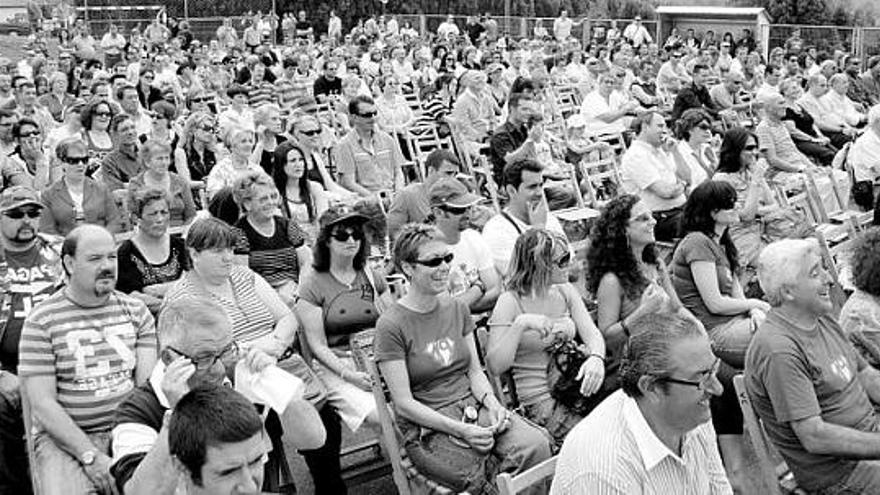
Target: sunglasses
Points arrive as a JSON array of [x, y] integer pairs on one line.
[[310, 132], [435, 262], [704, 126], [369, 115], [564, 260], [345, 235], [457, 211], [103, 114], [73, 160], [209, 128], [204, 99], [19, 214]]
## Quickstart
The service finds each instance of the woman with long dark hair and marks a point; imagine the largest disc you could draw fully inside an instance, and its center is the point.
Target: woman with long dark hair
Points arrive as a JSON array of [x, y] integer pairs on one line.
[[704, 273], [302, 199], [625, 275]]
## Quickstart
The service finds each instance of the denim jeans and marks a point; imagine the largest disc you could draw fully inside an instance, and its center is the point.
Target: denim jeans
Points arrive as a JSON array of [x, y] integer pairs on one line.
[[864, 479], [448, 461], [557, 419], [13, 453], [731, 340], [58, 472]]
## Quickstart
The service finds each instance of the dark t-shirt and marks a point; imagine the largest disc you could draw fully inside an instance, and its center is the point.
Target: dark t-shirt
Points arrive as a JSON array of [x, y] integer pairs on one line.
[[33, 276], [135, 272], [274, 258], [345, 310], [507, 138], [795, 373], [324, 86], [434, 347], [697, 246]]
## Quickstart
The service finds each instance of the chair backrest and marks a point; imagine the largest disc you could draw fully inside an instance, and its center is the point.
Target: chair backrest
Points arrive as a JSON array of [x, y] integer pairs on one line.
[[801, 200], [764, 449], [498, 382], [601, 179], [532, 477]]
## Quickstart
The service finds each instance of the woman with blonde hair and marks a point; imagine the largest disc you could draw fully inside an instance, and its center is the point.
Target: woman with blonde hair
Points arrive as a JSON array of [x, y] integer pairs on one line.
[[199, 144], [269, 135], [156, 158], [240, 143]]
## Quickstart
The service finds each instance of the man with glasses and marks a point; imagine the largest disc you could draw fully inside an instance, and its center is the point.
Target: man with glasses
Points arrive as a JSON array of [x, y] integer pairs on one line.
[[368, 160], [410, 204], [82, 350], [728, 94], [813, 391], [28, 163], [197, 351], [656, 430], [32, 272], [473, 278]]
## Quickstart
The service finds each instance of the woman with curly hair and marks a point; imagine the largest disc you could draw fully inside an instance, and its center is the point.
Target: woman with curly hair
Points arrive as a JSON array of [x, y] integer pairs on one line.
[[540, 307], [625, 275], [860, 316]]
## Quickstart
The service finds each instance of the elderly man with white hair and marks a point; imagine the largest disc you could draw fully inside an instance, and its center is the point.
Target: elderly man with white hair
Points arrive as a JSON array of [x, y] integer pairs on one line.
[[810, 387], [473, 112], [831, 125], [837, 103], [864, 157]]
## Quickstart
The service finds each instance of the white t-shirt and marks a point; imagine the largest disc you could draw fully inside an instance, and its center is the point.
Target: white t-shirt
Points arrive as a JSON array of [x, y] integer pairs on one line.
[[594, 104], [472, 256], [500, 236], [643, 165]]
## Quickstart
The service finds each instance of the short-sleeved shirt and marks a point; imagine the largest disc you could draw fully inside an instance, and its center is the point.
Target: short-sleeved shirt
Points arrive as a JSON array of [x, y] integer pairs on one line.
[[274, 258], [347, 308], [91, 352], [410, 204], [697, 246], [794, 373], [504, 140], [34, 275], [776, 138], [432, 345], [472, 256], [643, 165], [136, 272], [372, 166]]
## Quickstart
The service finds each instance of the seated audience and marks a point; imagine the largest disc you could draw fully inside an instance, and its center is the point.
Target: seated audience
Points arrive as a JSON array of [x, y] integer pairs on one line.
[[302, 199], [455, 431], [694, 134], [76, 199], [803, 130], [839, 104], [696, 95], [122, 164], [860, 315], [240, 143], [668, 375], [411, 204], [539, 308], [864, 159], [812, 390], [156, 158], [605, 110]]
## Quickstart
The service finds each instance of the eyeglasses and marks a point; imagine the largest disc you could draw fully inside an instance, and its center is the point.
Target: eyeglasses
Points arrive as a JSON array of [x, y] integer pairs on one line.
[[207, 361], [74, 160], [563, 260], [310, 132], [343, 235], [703, 383], [454, 210], [30, 134], [208, 128], [435, 262], [19, 214]]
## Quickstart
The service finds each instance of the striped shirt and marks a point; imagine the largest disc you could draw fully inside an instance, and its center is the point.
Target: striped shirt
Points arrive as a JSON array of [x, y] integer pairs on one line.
[[251, 318], [91, 352], [615, 451], [260, 93], [374, 165]]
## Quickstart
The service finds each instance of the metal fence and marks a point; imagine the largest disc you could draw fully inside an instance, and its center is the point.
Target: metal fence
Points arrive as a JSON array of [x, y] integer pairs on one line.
[[824, 38]]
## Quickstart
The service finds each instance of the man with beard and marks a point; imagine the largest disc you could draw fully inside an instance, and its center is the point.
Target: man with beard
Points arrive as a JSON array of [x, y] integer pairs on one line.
[[197, 351], [83, 349], [33, 273]]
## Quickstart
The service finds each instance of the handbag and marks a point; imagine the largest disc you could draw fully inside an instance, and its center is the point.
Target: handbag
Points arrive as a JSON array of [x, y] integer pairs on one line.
[[566, 359]]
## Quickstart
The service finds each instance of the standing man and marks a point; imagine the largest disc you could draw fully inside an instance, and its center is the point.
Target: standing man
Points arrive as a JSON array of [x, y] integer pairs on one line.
[[660, 178], [637, 34], [655, 432], [34, 272], [82, 350], [334, 27], [562, 26]]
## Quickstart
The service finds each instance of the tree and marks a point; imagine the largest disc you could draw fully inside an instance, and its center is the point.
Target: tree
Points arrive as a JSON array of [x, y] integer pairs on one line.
[[797, 11]]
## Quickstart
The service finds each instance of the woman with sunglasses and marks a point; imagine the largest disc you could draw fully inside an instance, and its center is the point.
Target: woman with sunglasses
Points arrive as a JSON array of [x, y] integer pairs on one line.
[[625, 275], [95, 120], [147, 92], [199, 144], [694, 133], [302, 199], [338, 298], [275, 245], [455, 431], [705, 269], [27, 164], [539, 308], [759, 214], [307, 134], [152, 260], [76, 199], [395, 116]]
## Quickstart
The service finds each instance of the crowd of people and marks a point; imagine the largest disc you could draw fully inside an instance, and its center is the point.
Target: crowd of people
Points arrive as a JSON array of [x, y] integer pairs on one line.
[[194, 227]]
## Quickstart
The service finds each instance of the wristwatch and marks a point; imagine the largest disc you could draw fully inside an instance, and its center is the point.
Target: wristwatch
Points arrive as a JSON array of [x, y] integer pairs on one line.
[[480, 285], [87, 458]]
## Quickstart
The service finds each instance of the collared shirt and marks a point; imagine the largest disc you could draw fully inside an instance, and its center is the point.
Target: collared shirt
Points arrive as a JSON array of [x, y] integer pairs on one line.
[[644, 165], [374, 164], [615, 451], [119, 167], [595, 104], [842, 107], [821, 115], [774, 137], [696, 160], [864, 156]]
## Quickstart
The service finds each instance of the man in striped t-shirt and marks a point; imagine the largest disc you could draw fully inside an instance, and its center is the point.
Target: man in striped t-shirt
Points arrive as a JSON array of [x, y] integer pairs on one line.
[[82, 350]]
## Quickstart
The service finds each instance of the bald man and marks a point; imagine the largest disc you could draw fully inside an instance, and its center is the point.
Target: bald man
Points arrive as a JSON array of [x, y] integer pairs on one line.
[[82, 350]]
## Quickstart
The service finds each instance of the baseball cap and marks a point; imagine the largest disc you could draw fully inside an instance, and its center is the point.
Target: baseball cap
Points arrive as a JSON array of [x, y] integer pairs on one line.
[[18, 196], [451, 192], [340, 213]]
